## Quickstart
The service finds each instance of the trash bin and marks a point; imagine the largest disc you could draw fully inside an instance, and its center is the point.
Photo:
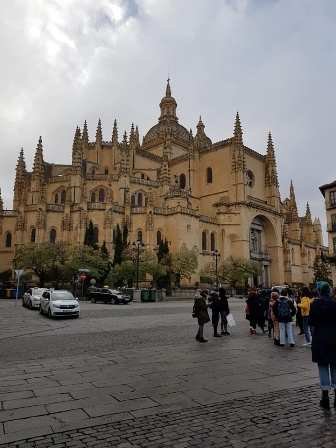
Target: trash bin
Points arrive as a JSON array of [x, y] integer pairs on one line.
[[144, 295], [152, 295]]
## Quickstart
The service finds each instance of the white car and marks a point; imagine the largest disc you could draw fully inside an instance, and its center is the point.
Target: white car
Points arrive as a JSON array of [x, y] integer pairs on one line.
[[56, 303], [31, 298]]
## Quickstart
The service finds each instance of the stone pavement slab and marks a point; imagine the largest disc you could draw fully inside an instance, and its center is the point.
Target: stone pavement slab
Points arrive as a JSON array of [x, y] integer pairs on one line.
[[130, 370]]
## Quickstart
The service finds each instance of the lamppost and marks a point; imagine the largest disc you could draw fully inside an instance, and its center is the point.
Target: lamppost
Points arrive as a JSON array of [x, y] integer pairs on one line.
[[216, 255], [137, 245]]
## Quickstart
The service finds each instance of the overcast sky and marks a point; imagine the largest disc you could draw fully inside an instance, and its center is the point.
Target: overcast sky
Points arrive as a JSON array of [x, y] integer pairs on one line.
[[64, 61]]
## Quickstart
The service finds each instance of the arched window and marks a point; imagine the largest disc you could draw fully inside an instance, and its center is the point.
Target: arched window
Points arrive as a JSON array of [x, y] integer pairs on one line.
[[56, 198], [183, 181], [212, 242], [101, 195], [293, 256], [140, 199], [8, 239], [209, 177], [113, 235], [133, 200], [158, 237], [204, 240], [63, 195], [33, 235], [106, 171], [93, 196], [52, 236], [95, 234], [139, 236]]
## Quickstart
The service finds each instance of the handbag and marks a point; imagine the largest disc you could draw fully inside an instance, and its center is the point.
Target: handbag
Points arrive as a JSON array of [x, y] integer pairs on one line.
[[230, 320]]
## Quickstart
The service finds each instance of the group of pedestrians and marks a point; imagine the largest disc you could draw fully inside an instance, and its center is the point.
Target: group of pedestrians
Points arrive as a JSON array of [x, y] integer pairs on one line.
[[314, 313], [218, 303]]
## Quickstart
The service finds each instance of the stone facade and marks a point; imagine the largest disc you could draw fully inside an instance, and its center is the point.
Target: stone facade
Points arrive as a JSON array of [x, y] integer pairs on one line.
[[329, 194], [210, 195]]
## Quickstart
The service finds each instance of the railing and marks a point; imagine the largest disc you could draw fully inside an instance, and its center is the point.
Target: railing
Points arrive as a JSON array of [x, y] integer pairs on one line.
[[208, 219], [139, 210], [139, 180], [265, 256], [96, 206], [55, 207], [8, 213], [118, 208], [177, 194], [91, 176], [59, 178]]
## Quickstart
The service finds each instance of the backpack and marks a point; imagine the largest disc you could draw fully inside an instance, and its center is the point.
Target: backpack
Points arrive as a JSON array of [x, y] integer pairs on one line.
[[284, 311]]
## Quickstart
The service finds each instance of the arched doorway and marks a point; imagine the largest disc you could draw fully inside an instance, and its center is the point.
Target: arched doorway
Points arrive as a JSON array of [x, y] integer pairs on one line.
[[263, 251]]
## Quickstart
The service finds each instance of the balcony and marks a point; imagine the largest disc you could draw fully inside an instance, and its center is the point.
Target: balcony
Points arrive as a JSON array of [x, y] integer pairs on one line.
[[55, 207], [331, 228], [260, 256], [96, 206], [330, 204], [139, 210]]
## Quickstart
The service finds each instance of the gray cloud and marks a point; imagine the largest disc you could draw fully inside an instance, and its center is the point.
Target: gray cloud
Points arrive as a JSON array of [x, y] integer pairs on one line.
[[274, 61]]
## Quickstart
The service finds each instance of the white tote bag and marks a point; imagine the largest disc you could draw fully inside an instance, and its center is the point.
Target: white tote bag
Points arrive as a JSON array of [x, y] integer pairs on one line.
[[230, 320]]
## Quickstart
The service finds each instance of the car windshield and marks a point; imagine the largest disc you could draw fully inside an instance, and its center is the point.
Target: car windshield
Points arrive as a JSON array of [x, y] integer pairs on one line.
[[38, 291], [62, 295]]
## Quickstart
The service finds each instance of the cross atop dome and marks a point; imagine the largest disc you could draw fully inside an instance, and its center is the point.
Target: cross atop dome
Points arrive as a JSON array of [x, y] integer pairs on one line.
[[168, 105]]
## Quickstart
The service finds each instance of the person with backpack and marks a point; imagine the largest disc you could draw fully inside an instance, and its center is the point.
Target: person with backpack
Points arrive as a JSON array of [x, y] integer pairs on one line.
[[322, 319], [284, 311], [200, 312], [304, 306]]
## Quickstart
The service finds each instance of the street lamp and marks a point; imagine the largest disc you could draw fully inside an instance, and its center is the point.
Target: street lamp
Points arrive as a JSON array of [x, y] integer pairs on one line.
[[137, 245], [216, 255]]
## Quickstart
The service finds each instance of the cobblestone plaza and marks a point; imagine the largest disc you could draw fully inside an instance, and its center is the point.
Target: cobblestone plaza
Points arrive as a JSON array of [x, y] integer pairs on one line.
[[134, 376]]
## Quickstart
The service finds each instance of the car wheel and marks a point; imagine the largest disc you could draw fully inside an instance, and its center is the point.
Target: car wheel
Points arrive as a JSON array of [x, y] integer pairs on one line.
[[49, 314], [30, 306], [41, 310]]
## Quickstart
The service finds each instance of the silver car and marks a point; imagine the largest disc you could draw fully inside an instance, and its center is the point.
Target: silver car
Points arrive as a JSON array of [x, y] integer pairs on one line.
[[32, 298], [59, 303]]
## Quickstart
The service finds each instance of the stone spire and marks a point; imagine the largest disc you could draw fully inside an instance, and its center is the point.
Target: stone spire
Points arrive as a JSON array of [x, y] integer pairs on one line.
[[124, 154], [38, 166], [132, 135], [19, 184], [85, 135], [271, 175], [202, 141], [99, 134], [238, 155], [237, 132], [168, 106], [308, 217], [115, 133], [77, 152], [293, 205]]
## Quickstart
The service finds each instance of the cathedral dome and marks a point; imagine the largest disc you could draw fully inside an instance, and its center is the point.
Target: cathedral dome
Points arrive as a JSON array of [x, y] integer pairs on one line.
[[168, 123]]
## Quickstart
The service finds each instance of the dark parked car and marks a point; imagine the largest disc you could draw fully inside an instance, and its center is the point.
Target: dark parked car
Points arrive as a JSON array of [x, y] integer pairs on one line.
[[107, 295]]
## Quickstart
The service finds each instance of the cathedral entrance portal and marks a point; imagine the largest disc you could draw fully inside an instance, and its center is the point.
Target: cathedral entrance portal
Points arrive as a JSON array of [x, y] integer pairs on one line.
[[262, 239]]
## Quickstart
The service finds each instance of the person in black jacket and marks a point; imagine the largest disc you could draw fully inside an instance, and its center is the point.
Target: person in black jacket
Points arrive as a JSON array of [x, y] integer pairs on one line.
[[322, 319], [215, 308], [200, 312], [224, 311]]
